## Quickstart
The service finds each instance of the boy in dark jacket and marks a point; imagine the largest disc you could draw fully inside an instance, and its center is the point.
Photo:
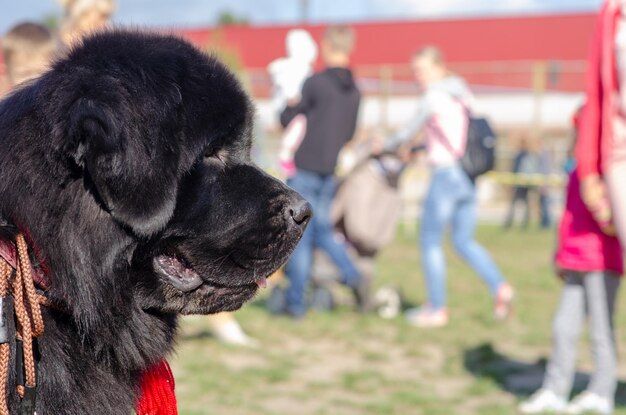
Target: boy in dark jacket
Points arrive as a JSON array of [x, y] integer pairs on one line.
[[330, 101]]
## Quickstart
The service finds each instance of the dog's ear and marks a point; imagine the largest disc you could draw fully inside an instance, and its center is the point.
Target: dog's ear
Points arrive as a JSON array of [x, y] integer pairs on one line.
[[92, 129], [123, 160]]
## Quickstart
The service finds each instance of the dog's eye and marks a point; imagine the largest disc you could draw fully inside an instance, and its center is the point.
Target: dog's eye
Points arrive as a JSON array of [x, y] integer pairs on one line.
[[209, 153], [213, 158]]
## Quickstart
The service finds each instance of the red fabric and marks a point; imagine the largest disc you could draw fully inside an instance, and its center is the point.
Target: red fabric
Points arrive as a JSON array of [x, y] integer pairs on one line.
[[582, 246], [157, 391], [594, 137], [9, 254]]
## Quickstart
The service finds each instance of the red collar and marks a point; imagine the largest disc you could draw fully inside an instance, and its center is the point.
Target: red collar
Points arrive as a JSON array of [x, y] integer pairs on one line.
[[8, 252], [157, 391]]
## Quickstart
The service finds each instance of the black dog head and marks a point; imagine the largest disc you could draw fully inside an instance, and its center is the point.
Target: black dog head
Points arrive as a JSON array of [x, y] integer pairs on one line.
[[150, 156]]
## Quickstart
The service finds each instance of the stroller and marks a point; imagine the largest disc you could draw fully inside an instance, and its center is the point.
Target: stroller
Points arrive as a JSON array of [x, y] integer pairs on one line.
[[365, 212]]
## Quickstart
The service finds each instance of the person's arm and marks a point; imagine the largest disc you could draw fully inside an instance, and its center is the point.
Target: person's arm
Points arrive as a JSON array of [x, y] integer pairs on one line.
[[592, 188], [408, 132], [303, 106], [353, 121]]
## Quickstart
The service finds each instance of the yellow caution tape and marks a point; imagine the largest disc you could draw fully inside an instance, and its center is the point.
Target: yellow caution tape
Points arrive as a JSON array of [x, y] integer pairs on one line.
[[520, 179]]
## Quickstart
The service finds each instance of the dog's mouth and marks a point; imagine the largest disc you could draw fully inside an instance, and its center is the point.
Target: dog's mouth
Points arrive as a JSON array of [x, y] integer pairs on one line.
[[178, 272]]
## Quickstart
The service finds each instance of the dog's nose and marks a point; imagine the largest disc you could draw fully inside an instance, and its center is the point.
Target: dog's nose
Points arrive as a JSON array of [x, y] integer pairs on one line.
[[301, 212]]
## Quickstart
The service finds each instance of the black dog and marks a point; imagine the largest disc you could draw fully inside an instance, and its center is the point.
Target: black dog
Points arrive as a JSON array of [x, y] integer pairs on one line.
[[128, 168]]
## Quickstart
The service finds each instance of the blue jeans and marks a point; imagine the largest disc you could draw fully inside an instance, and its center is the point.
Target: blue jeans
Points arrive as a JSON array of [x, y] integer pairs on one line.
[[319, 191], [451, 200]]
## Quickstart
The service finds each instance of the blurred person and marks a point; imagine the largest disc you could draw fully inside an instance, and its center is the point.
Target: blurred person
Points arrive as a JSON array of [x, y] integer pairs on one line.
[[28, 49], [84, 16], [330, 101], [589, 261], [288, 75], [522, 164], [451, 199], [601, 146], [530, 160], [545, 200]]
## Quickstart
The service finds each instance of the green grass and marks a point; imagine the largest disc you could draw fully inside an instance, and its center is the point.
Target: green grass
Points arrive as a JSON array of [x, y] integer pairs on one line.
[[346, 363]]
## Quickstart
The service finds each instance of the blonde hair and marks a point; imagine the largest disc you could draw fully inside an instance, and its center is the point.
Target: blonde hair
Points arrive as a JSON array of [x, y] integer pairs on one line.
[[432, 53], [74, 9], [27, 37], [75, 26], [340, 38]]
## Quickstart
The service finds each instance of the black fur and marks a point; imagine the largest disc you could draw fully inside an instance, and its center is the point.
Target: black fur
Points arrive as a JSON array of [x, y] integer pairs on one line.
[[134, 147]]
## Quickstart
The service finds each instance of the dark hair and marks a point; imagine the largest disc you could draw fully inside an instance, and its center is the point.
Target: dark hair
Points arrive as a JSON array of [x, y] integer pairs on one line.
[[27, 37]]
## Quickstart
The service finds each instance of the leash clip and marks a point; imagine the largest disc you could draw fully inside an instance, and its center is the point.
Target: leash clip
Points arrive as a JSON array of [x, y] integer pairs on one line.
[[30, 400], [5, 307]]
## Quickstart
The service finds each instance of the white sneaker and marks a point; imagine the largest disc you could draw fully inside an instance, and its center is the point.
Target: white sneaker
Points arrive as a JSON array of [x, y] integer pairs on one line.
[[388, 302], [542, 401], [590, 402]]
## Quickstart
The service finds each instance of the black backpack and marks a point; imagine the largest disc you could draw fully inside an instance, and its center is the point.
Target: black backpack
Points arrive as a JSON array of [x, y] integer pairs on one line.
[[480, 149], [479, 156]]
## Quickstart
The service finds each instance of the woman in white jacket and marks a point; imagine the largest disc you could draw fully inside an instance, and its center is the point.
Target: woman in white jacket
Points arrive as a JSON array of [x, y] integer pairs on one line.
[[443, 115]]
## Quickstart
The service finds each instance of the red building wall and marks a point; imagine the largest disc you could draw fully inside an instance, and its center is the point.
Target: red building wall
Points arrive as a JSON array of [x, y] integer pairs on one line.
[[496, 52], [555, 37]]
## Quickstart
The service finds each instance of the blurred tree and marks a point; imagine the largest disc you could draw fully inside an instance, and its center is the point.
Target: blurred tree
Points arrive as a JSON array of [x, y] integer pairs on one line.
[[51, 21], [228, 18], [228, 54]]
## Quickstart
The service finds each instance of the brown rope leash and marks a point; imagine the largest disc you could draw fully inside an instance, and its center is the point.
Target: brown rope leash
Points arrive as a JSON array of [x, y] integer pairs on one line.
[[29, 324], [5, 274]]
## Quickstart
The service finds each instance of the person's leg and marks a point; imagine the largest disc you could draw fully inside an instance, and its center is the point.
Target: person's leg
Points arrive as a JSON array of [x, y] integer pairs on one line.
[[366, 265], [524, 196], [566, 328], [508, 222], [544, 207], [324, 235], [298, 267], [601, 289], [438, 207], [463, 228]]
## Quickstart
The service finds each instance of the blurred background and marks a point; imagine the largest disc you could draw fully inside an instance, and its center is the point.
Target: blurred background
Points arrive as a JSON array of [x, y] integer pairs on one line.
[[525, 62]]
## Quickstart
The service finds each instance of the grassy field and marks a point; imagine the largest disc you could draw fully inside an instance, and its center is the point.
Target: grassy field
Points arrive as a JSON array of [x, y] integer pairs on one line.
[[346, 363]]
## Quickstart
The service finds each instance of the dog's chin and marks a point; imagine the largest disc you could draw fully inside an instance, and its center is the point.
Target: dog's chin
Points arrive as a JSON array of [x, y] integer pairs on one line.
[[209, 299], [187, 290], [206, 299]]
